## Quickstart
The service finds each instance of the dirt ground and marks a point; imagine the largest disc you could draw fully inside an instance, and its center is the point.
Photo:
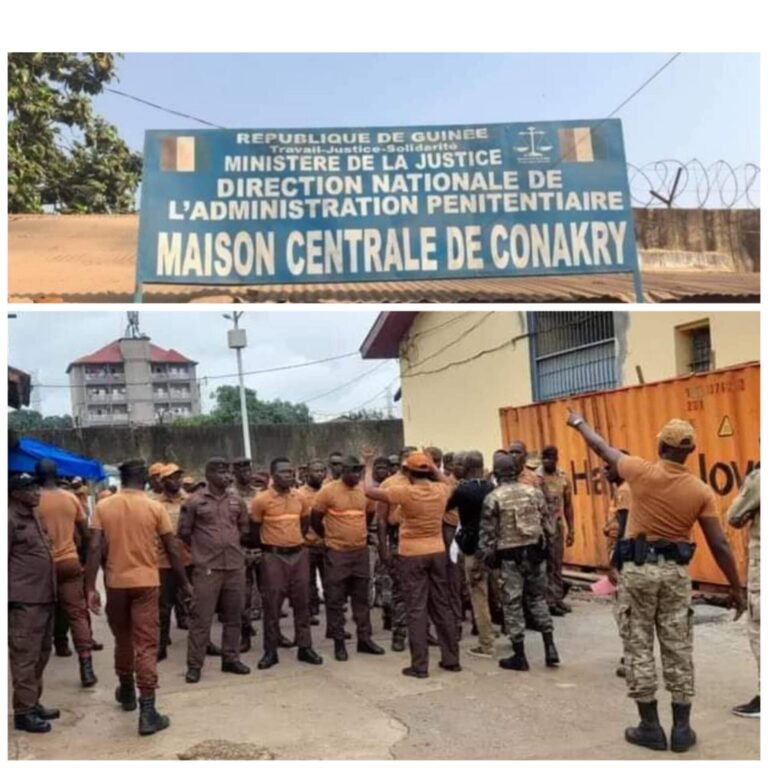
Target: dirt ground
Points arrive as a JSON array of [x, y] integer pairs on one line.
[[365, 709]]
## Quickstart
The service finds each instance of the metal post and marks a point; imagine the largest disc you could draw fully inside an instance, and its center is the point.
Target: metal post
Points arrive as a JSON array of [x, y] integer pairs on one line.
[[238, 344]]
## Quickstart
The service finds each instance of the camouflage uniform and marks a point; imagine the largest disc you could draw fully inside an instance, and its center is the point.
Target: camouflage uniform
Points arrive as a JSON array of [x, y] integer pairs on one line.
[[511, 520], [657, 596], [555, 488], [746, 507]]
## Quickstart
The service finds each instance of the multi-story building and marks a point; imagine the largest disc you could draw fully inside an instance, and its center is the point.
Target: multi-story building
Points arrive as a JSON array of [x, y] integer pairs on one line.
[[132, 381]]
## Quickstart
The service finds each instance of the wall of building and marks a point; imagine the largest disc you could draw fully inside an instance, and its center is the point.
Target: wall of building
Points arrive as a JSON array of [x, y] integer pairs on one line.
[[191, 447], [654, 343], [458, 408]]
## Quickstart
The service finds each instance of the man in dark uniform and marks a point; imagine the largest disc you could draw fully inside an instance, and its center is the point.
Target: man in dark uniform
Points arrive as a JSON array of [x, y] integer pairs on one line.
[[242, 469], [655, 592], [316, 472], [214, 523], [124, 532], [31, 600], [279, 520]]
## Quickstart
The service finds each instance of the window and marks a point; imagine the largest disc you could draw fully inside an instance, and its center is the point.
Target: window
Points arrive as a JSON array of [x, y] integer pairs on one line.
[[572, 352], [694, 348]]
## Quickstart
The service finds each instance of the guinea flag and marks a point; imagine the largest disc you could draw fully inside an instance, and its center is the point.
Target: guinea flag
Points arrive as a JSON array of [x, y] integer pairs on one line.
[[177, 153], [576, 145]]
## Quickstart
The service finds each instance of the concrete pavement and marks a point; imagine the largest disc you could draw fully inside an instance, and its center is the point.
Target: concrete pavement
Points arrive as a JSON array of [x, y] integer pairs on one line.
[[365, 709]]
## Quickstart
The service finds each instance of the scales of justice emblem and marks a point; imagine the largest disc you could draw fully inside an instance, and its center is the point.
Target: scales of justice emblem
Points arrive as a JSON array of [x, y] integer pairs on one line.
[[533, 148]]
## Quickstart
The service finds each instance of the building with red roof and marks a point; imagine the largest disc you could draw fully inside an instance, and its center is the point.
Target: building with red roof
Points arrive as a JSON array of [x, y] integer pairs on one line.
[[131, 381]]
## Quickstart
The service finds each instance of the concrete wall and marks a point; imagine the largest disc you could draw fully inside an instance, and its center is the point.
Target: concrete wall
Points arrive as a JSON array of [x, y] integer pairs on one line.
[[655, 341], [689, 239], [458, 408], [190, 447]]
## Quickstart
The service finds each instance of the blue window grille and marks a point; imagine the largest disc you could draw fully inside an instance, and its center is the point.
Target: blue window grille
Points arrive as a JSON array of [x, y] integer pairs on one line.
[[572, 352]]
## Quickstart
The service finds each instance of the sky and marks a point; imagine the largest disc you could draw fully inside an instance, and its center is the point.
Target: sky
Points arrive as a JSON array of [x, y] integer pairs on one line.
[[703, 106], [44, 343]]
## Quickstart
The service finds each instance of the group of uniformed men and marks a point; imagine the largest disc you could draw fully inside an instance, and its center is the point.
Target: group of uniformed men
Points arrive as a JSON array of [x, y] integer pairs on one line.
[[415, 531]]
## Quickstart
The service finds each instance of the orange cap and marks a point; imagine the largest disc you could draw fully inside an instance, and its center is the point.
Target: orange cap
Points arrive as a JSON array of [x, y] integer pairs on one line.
[[156, 469], [419, 461], [169, 469]]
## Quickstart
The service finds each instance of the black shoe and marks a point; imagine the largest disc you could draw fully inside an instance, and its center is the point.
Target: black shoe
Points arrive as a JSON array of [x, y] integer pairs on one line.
[[31, 722], [235, 667], [649, 732], [96, 646], [551, 659], [46, 714], [162, 653], [182, 624], [193, 675], [150, 720], [309, 655], [517, 661], [269, 659], [683, 737], [564, 606], [556, 610], [449, 667], [314, 621], [245, 642], [368, 646], [386, 621], [398, 644], [748, 710], [125, 694], [432, 640], [212, 650], [87, 676], [411, 672], [284, 642], [63, 650], [340, 650]]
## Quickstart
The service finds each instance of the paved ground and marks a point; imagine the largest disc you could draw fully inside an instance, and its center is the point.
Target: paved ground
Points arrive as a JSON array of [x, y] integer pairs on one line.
[[365, 709]]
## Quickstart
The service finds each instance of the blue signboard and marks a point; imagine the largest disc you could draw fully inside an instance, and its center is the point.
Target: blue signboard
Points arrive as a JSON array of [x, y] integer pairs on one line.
[[250, 207]]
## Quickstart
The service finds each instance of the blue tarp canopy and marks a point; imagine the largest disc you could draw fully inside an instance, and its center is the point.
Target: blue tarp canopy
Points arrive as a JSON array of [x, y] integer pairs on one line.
[[27, 452]]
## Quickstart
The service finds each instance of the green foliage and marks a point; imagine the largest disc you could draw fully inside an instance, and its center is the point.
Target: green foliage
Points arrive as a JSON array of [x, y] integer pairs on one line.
[[60, 153], [26, 420], [364, 414], [227, 410]]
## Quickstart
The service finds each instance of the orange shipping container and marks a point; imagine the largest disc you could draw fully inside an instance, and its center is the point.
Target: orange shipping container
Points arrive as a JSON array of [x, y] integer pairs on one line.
[[724, 408]]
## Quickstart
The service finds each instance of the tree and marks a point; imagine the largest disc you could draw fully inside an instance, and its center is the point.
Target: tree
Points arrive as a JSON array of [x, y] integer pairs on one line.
[[227, 410], [60, 153], [364, 414], [27, 420]]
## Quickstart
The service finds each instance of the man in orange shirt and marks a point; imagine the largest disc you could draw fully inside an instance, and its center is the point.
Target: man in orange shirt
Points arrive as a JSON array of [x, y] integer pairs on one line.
[[279, 522], [172, 497], [124, 531], [655, 593], [63, 517], [316, 472], [422, 559], [339, 516]]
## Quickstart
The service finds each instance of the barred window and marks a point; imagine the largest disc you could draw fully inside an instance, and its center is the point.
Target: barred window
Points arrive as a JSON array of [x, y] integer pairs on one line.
[[572, 352]]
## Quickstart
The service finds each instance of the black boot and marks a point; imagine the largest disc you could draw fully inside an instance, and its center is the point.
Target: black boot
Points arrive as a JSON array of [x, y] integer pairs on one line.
[[63, 649], [309, 656], [44, 713], [683, 737], [551, 659], [649, 732], [386, 616], [31, 722], [150, 720], [125, 694], [245, 639], [87, 676], [517, 661], [162, 652], [340, 650], [235, 667], [368, 646], [269, 659], [398, 643]]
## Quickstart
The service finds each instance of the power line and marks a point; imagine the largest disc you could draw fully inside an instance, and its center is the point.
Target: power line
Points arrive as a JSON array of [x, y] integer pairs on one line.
[[644, 84], [161, 108], [345, 385]]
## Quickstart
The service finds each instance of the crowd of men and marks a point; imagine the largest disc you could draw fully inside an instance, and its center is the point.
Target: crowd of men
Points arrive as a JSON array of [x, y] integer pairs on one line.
[[429, 537]]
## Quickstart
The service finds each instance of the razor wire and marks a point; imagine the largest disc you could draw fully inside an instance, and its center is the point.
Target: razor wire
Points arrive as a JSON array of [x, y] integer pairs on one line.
[[692, 184]]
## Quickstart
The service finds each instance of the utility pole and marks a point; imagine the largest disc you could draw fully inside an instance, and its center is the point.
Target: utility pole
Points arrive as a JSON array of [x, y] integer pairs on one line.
[[237, 341], [389, 402]]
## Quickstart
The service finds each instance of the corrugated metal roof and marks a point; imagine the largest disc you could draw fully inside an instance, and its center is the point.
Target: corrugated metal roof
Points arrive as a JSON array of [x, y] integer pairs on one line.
[[43, 251]]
